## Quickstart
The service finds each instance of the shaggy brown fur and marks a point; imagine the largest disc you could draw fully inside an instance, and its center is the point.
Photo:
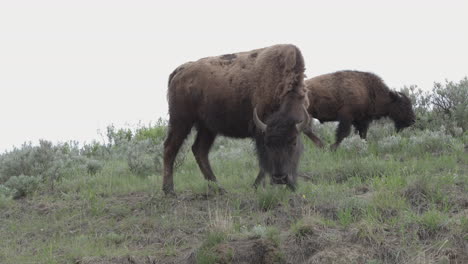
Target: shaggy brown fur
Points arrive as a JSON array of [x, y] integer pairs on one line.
[[355, 98], [218, 96]]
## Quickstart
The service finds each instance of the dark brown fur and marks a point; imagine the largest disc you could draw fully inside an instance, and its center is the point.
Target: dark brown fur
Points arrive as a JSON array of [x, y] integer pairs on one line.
[[355, 98], [217, 95]]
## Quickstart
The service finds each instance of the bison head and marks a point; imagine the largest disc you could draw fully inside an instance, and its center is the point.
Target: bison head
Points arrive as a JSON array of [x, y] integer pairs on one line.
[[279, 145], [401, 110]]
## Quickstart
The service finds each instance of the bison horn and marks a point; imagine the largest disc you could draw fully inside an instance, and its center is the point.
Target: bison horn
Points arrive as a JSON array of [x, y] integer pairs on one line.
[[258, 123], [304, 123]]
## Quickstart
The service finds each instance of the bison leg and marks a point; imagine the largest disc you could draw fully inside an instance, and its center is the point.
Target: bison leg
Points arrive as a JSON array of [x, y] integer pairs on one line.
[[308, 132], [201, 149], [260, 179], [175, 138], [344, 128], [362, 127], [356, 130]]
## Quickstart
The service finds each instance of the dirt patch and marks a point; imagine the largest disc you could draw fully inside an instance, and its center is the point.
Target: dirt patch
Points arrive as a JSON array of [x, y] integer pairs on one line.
[[341, 254], [119, 260], [326, 247], [132, 260], [361, 190], [244, 251], [311, 242]]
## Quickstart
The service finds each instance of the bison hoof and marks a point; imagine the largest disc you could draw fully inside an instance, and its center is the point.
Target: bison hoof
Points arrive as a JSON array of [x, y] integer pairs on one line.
[[256, 184], [169, 191], [170, 194]]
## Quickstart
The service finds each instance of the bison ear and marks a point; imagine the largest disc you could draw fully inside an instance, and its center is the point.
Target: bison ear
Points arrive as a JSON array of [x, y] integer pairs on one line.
[[394, 96]]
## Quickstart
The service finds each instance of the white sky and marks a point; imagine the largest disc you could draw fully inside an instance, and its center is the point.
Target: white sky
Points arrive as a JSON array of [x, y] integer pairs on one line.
[[68, 68]]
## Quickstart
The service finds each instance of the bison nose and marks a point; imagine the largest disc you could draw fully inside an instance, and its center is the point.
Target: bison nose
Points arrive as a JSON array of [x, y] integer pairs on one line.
[[280, 178]]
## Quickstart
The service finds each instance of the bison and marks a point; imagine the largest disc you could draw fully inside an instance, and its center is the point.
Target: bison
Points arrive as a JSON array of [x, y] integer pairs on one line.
[[355, 98], [230, 95]]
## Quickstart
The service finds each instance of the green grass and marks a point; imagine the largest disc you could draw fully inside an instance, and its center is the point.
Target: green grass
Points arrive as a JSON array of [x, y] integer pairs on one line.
[[392, 202], [205, 255]]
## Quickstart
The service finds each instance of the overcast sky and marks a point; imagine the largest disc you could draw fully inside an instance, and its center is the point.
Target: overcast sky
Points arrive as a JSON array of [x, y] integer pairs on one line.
[[69, 68]]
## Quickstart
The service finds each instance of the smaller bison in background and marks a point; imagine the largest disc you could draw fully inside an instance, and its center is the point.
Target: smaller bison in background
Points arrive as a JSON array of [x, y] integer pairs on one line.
[[355, 98]]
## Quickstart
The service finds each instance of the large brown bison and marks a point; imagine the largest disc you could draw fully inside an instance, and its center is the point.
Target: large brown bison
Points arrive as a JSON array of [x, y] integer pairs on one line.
[[355, 98], [230, 95]]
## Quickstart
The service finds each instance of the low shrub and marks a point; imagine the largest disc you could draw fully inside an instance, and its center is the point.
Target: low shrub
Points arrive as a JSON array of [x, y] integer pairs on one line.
[[22, 185], [434, 142], [354, 145], [144, 157], [95, 150], [45, 160], [446, 104], [93, 166], [5, 192], [380, 129], [155, 133], [326, 131], [390, 144]]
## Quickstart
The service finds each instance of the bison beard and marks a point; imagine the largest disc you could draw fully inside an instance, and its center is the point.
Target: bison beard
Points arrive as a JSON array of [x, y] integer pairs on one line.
[[218, 95], [355, 98]]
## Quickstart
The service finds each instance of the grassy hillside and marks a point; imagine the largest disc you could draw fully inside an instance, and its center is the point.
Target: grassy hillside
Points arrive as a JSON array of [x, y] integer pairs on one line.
[[397, 198]]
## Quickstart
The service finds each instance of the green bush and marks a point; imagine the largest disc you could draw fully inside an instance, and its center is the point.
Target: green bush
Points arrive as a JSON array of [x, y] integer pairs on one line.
[[117, 137], [5, 192], [45, 160], [93, 166], [451, 100], [156, 133], [390, 144], [22, 185], [144, 157], [380, 129], [421, 105], [142, 147], [227, 149], [434, 142], [326, 131], [354, 145], [446, 104], [95, 150]]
